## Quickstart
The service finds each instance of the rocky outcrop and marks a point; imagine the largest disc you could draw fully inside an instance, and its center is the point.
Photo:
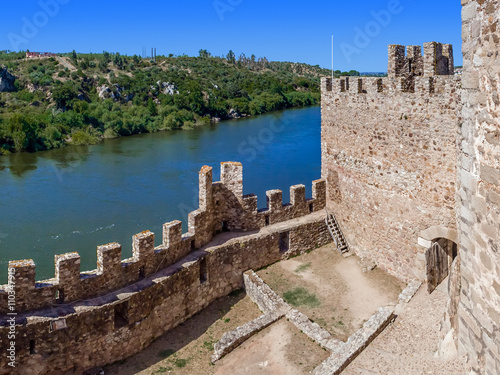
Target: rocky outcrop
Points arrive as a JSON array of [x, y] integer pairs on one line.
[[6, 80], [168, 88], [233, 113], [107, 93]]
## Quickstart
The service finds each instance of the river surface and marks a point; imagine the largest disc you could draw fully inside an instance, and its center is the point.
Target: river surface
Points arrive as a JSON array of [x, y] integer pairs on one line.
[[76, 198]]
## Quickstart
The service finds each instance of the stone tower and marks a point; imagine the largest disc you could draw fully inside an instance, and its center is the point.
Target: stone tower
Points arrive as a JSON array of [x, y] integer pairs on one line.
[[479, 187]]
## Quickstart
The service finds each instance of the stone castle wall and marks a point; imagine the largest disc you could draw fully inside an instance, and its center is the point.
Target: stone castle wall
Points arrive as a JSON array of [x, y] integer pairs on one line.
[[389, 157], [479, 187], [80, 320], [222, 207]]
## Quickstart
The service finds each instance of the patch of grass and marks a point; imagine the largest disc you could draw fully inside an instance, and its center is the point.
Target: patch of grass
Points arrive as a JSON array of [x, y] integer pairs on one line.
[[227, 320], [181, 362], [166, 353], [301, 297], [163, 370], [302, 267], [209, 345], [339, 323]]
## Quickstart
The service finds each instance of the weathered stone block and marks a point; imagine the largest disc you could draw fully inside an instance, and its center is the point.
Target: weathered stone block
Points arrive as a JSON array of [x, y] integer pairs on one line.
[[143, 245], [490, 175], [231, 176], [172, 233], [469, 11], [274, 200], [109, 258]]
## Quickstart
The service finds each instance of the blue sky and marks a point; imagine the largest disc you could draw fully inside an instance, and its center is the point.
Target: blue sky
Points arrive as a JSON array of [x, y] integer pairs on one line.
[[279, 30]]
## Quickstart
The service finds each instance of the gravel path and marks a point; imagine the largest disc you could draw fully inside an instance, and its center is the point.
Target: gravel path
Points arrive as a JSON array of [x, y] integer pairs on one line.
[[66, 64], [408, 345]]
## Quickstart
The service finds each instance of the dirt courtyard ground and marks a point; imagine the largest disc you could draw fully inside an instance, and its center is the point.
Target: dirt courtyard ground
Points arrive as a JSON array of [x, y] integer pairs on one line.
[[280, 349], [332, 290]]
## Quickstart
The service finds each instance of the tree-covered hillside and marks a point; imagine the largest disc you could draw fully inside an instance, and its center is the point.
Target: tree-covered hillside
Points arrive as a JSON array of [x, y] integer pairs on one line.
[[83, 98]]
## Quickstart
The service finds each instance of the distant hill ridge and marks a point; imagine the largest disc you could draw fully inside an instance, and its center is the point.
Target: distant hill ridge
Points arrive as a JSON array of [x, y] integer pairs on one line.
[[110, 95]]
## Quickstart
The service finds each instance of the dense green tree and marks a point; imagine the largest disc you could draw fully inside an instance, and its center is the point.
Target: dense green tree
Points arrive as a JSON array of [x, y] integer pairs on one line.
[[118, 61], [231, 57], [203, 53], [103, 65], [63, 94], [153, 110]]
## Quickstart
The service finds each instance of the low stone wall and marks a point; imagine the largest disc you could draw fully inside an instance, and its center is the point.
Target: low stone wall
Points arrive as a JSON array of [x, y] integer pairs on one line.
[[269, 302], [230, 340], [407, 294], [261, 294], [313, 330], [344, 353], [340, 358], [275, 307]]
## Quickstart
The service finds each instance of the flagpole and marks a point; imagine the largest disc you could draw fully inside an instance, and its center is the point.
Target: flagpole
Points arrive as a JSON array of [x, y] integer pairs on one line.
[[332, 59]]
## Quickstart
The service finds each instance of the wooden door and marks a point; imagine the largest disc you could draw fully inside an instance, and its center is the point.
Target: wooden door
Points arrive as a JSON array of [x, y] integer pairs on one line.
[[437, 266]]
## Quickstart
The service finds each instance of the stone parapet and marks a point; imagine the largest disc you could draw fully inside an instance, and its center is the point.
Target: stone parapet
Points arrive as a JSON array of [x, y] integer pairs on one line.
[[113, 326], [223, 207]]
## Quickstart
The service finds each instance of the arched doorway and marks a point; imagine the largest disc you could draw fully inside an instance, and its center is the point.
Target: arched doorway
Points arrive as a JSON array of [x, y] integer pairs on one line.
[[439, 258]]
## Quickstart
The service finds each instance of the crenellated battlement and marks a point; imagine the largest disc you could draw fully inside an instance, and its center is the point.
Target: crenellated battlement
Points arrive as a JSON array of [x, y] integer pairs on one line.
[[408, 71], [387, 86], [222, 207], [436, 60]]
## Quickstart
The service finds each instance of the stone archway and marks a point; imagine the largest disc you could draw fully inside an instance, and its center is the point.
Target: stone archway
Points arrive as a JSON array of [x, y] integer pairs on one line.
[[441, 249], [439, 258]]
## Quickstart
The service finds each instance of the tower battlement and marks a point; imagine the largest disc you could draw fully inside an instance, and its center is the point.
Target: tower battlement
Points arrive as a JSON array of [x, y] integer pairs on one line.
[[408, 71], [358, 86], [436, 60]]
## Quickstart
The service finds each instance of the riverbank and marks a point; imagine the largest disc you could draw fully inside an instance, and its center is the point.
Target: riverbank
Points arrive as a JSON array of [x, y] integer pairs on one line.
[[89, 139], [110, 95]]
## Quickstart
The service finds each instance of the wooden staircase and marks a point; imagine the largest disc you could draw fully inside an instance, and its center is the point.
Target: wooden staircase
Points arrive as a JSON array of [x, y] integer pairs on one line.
[[336, 233]]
